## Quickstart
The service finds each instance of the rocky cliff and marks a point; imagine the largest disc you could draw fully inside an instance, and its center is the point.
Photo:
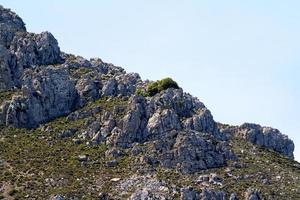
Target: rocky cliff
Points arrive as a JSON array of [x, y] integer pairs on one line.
[[127, 144]]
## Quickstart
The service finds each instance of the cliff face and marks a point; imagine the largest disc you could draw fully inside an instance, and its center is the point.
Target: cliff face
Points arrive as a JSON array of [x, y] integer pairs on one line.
[[94, 104]]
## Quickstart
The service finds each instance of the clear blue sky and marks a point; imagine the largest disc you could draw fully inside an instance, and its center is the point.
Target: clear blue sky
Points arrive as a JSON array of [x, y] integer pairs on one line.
[[241, 58]]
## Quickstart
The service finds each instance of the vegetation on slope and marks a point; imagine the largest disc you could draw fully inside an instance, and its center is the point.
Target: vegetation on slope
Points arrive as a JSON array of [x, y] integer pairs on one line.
[[158, 86], [39, 163]]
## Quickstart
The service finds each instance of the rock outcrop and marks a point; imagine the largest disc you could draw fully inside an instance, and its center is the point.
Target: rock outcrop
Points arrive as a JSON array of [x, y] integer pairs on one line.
[[20, 50], [47, 93], [267, 137], [10, 24]]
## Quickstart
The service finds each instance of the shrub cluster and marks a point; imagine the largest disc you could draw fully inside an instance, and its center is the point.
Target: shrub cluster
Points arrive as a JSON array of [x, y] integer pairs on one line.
[[158, 86]]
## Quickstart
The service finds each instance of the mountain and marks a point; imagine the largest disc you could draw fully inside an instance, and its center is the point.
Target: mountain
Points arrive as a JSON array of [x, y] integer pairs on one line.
[[73, 128]]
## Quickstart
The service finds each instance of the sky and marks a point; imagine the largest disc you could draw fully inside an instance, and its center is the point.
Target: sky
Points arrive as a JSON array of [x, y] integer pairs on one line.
[[241, 58]]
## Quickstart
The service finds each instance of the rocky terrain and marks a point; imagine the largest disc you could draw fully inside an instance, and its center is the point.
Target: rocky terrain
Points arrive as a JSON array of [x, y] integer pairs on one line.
[[73, 128]]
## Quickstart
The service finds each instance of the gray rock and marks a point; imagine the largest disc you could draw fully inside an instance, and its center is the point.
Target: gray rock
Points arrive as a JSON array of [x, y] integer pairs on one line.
[[145, 187], [162, 121], [190, 151], [189, 194], [267, 137], [35, 49], [182, 103], [111, 163], [47, 93], [206, 194], [252, 194], [8, 69], [134, 124], [57, 197], [110, 88], [10, 24], [75, 62], [203, 122], [215, 179], [88, 90], [233, 196]]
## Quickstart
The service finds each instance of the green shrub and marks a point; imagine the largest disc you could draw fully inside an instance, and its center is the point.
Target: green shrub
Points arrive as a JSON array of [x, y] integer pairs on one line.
[[158, 86]]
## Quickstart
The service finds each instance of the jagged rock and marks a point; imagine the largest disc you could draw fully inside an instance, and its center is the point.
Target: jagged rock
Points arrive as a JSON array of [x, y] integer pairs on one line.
[[189, 194], [127, 83], [267, 137], [10, 24], [146, 187], [88, 90], [162, 122], [47, 93], [120, 84], [35, 49], [7, 69], [109, 88], [75, 62], [203, 122], [252, 194], [190, 151], [100, 65], [107, 127], [206, 194], [182, 103], [134, 124], [20, 50]]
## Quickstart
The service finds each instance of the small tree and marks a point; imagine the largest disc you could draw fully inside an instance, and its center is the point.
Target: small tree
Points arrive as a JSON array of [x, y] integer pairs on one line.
[[160, 85]]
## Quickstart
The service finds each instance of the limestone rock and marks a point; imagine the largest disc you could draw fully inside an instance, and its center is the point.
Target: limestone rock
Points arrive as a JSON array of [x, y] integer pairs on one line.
[[190, 151], [162, 122], [10, 24], [267, 137], [8, 69], [134, 124], [88, 90], [47, 93], [182, 103]]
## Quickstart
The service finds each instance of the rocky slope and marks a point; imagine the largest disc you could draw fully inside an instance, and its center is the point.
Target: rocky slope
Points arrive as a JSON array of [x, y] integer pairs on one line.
[[73, 128]]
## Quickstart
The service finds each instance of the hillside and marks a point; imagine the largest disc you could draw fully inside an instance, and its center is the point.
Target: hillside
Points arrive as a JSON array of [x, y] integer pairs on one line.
[[73, 128]]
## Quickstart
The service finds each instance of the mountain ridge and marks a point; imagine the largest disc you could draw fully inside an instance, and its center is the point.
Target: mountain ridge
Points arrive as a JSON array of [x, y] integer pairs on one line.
[[91, 105]]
